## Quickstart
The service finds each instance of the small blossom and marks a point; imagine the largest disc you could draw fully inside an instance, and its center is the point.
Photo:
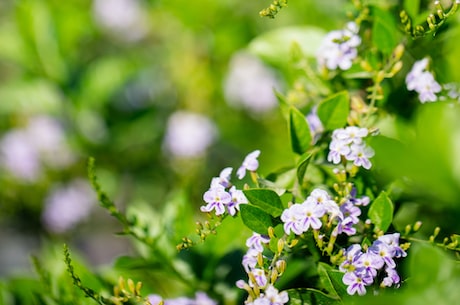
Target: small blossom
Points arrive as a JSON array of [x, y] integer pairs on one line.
[[392, 240], [238, 198], [356, 282], [249, 261], [250, 163], [260, 277], [422, 81], [312, 213], [292, 219], [256, 241], [216, 198], [369, 262], [348, 143], [339, 48], [223, 179], [276, 297], [392, 278]]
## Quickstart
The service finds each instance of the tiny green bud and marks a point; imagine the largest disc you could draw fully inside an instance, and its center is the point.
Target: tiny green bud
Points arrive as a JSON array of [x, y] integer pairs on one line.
[[417, 226], [396, 67], [260, 260], [281, 266], [408, 229], [131, 286], [280, 245], [271, 232], [274, 276]]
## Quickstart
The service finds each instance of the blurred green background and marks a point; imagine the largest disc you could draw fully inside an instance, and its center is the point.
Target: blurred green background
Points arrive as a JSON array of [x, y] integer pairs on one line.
[[164, 94]]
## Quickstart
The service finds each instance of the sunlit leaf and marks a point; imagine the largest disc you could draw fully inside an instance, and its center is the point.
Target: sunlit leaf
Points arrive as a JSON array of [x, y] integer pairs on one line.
[[334, 110], [255, 219], [381, 212], [266, 199]]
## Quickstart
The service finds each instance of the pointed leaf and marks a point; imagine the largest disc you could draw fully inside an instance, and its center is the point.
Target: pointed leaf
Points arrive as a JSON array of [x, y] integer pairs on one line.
[[381, 212], [299, 131], [331, 280], [266, 199], [333, 111], [302, 166], [311, 296], [255, 219]]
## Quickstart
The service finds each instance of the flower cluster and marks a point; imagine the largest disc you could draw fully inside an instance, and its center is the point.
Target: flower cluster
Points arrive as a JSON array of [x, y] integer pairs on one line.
[[222, 196], [363, 267], [422, 81], [259, 278], [339, 48], [348, 143]]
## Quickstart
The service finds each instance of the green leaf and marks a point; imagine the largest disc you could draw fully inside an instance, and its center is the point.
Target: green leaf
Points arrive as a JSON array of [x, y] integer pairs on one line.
[[275, 46], [302, 166], [255, 219], [334, 110], [311, 296], [382, 37], [331, 280], [381, 212], [384, 31], [412, 7], [266, 199], [299, 131]]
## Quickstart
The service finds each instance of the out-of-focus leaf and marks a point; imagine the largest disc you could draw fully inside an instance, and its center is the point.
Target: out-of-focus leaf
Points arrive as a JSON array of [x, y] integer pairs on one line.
[[255, 219], [412, 7], [384, 31], [334, 110], [299, 131], [32, 97], [274, 46], [381, 212], [265, 199]]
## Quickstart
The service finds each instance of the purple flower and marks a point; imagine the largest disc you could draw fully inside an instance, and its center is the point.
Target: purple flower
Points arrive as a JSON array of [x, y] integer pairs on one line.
[[352, 254], [369, 262], [339, 48], [260, 277], [237, 199], [292, 218], [384, 251], [216, 198], [392, 240], [422, 81], [249, 261], [256, 240], [348, 142], [250, 163], [312, 212], [360, 155], [275, 297], [223, 179], [337, 149], [392, 278], [356, 282]]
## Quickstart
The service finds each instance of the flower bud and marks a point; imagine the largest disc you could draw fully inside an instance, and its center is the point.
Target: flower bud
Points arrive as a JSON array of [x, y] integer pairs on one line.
[[280, 245], [281, 266], [417, 226], [396, 67], [399, 51]]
